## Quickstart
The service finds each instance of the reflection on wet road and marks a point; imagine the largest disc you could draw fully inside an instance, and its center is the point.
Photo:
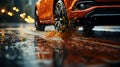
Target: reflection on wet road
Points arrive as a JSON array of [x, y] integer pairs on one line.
[[22, 46]]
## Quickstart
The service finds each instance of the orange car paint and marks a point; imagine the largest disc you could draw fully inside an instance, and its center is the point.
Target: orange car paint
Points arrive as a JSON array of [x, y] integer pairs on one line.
[[69, 3], [46, 15], [45, 10]]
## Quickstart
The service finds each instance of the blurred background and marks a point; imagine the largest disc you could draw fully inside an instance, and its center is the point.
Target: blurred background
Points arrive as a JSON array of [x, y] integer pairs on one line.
[[17, 10]]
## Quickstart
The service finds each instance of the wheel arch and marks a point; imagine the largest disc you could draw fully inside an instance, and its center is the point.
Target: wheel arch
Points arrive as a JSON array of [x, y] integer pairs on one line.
[[45, 11], [36, 8], [37, 4]]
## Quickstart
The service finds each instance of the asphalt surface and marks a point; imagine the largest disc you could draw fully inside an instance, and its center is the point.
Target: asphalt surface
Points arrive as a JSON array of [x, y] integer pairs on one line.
[[22, 46]]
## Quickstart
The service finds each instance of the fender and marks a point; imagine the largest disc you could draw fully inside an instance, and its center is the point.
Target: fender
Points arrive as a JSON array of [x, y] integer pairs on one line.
[[69, 3], [45, 11]]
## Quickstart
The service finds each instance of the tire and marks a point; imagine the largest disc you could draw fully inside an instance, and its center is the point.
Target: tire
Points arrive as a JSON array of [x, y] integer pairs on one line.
[[87, 27], [40, 27], [60, 15]]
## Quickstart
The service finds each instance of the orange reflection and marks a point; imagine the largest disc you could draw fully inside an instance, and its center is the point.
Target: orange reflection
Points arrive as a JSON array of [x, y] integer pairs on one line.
[[3, 35], [44, 52], [52, 34], [63, 35], [74, 51]]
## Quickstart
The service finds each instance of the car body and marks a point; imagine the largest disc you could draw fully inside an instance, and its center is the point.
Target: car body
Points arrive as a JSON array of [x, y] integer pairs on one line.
[[78, 12]]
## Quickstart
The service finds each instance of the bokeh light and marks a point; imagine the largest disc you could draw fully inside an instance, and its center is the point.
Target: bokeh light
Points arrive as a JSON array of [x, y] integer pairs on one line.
[[17, 10], [14, 8], [10, 13], [23, 15], [29, 19], [3, 11]]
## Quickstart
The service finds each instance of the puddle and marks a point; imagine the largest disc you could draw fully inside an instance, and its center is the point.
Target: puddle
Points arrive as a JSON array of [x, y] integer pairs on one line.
[[30, 48]]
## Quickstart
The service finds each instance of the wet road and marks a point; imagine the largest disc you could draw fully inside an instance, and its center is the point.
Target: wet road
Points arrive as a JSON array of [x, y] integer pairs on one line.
[[22, 46]]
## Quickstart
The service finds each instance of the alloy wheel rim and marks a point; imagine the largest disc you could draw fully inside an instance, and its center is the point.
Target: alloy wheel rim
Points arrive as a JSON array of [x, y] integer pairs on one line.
[[59, 16]]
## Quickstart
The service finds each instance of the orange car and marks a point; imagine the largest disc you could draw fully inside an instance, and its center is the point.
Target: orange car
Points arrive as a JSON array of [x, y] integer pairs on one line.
[[65, 13]]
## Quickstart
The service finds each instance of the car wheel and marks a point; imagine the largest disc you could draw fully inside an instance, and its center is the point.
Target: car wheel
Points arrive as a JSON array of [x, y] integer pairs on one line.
[[61, 20], [87, 26], [40, 27]]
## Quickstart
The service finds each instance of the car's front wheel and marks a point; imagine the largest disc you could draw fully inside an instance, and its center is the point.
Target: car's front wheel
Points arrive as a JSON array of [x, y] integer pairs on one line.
[[40, 27], [61, 20]]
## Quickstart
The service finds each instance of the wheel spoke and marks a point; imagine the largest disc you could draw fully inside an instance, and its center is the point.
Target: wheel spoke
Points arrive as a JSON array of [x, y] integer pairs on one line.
[[57, 12], [60, 16]]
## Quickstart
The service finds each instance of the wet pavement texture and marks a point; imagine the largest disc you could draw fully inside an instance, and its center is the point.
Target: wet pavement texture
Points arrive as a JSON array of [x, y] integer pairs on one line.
[[22, 46]]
